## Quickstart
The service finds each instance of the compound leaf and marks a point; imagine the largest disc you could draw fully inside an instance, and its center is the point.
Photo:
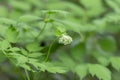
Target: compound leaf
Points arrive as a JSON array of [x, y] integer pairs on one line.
[[99, 71]]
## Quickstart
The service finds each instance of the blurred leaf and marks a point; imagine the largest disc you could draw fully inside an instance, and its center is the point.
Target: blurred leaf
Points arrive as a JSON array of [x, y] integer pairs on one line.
[[81, 70], [115, 61], [55, 12], [7, 21], [11, 34], [36, 3], [108, 44], [60, 31], [104, 61], [46, 66], [113, 5], [33, 47], [67, 62], [29, 18], [3, 11], [78, 52], [100, 25], [25, 66], [4, 45], [3, 30], [14, 49], [35, 55], [20, 5], [94, 7], [54, 69], [72, 8], [21, 59], [24, 52], [112, 23], [99, 71], [2, 57]]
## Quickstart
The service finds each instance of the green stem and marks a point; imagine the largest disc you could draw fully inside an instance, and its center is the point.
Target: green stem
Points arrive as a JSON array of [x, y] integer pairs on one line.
[[81, 36], [13, 64], [27, 75], [44, 26], [49, 50]]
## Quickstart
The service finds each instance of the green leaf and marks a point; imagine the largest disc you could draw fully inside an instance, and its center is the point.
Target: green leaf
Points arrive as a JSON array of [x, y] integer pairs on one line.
[[11, 34], [78, 52], [7, 21], [4, 11], [103, 60], [100, 25], [73, 8], [24, 52], [2, 57], [92, 7], [35, 55], [65, 59], [46, 66], [29, 18], [20, 5], [77, 27], [21, 59], [113, 5], [60, 31], [54, 69], [99, 71], [38, 65], [4, 45], [55, 11], [115, 61], [33, 47], [81, 70], [112, 23], [14, 49], [25, 66], [108, 44], [37, 3]]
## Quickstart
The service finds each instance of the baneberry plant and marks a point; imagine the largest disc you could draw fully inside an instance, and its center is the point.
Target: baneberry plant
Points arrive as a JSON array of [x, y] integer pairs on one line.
[[20, 42], [59, 39]]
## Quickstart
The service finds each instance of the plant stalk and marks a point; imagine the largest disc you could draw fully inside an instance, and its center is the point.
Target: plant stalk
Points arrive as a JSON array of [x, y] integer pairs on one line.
[[27, 75], [49, 50], [44, 26]]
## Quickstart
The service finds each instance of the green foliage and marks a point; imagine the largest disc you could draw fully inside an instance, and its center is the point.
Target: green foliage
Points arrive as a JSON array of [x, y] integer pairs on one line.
[[94, 7], [7, 21], [28, 18], [11, 34], [32, 47], [99, 71], [115, 62], [110, 44], [29, 39], [81, 70], [4, 45], [20, 5]]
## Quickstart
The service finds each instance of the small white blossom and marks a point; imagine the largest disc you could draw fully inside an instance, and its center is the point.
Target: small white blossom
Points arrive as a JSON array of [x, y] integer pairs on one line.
[[65, 39]]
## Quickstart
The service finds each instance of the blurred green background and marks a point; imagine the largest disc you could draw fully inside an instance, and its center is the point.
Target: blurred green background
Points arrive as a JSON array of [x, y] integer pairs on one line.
[[97, 20]]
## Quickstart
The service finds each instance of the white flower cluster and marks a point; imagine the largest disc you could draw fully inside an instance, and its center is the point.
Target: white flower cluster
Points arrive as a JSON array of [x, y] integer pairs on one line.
[[65, 39]]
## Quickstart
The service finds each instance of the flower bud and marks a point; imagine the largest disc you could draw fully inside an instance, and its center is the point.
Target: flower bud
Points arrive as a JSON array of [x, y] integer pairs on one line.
[[65, 39]]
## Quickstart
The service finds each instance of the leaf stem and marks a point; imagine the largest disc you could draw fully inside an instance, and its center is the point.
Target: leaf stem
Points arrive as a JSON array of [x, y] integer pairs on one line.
[[27, 75], [44, 26], [49, 50]]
